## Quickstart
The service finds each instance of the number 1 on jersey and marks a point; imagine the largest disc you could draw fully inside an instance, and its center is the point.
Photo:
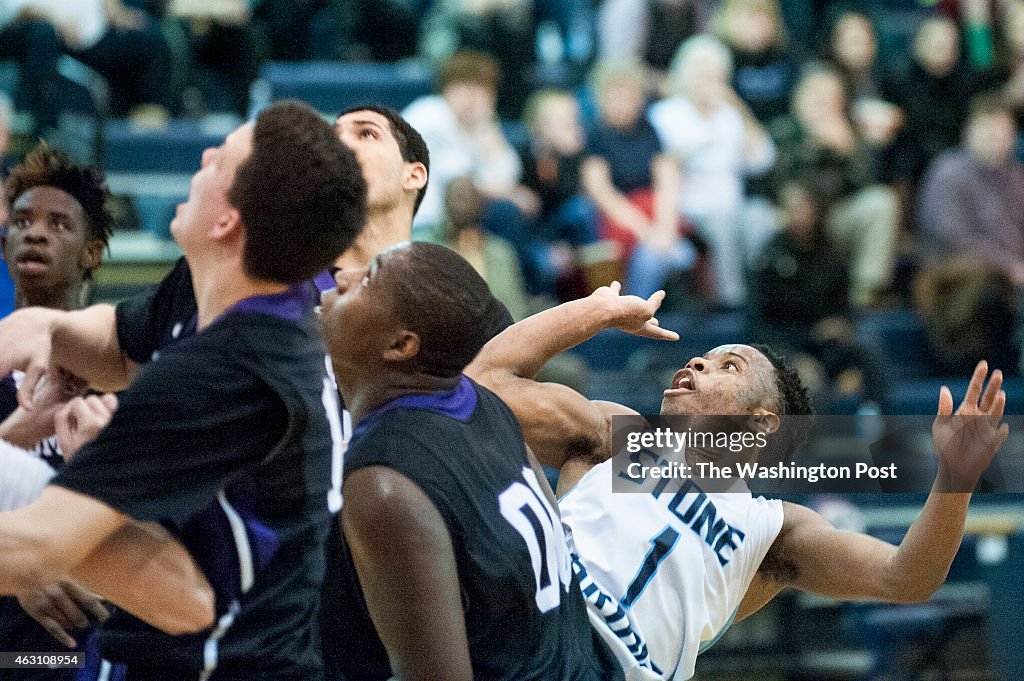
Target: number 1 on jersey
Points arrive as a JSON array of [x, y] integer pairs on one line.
[[661, 546]]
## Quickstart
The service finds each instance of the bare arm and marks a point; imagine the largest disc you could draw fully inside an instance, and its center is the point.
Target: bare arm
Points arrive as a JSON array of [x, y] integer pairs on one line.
[[85, 343], [665, 171], [406, 565], [558, 423], [810, 554]]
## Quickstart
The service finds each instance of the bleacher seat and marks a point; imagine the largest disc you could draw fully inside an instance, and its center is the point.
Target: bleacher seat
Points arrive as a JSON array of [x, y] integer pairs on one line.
[[333, 87], [900, 338], [176, 149], [921, 397]]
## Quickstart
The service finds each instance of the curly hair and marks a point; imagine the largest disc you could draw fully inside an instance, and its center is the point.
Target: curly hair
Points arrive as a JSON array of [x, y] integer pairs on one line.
[[301, 195], [791, 400], [46, 167], [410, 142]]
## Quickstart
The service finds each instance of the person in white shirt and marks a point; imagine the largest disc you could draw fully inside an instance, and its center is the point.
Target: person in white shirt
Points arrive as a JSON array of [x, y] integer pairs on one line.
[[666, 572], [717, 141]]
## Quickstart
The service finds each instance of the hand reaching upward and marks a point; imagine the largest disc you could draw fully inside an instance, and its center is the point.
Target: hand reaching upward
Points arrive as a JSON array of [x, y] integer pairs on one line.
[[635, 315], [968, 439]]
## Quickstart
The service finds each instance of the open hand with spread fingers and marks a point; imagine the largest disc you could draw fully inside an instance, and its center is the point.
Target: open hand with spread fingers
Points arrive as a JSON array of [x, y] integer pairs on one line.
[[967, 440], [633, 314]]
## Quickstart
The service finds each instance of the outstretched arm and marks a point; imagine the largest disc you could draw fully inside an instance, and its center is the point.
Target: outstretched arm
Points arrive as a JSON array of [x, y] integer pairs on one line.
[[811, 555], [560, 424]]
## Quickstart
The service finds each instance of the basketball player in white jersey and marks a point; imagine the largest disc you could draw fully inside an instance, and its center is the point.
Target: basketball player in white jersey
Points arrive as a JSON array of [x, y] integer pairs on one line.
[[665, 574]]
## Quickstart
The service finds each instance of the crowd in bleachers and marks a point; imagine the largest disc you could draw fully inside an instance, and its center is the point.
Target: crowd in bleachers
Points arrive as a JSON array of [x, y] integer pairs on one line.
[[804, 172]]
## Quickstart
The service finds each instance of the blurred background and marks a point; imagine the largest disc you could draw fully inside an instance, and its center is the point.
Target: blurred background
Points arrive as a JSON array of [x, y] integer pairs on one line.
[[842, 180]]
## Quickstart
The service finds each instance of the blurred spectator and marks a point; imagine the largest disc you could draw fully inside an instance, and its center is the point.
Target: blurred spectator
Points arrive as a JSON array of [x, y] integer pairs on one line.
[[223, 50], [633, 183], [800, 297], [934, 96], [1010, 58], [764, 72], [119, 42], [501, 28], [6, 120], [551, 169], [491, 256], [717, 141], [648, 31], [6, 285], [819, 143], [369, 30], [972, 197], [289, 26], [854, 55], [969, 310], [465, 139]]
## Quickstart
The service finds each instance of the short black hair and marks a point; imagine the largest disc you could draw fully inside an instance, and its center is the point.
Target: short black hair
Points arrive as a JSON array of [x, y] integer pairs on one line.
[[444, 301], [410, 142], [301, 195], [792, 401], [46, 167]]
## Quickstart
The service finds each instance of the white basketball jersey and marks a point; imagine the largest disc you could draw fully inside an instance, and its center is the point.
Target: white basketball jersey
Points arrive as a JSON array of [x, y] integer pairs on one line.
[[663, 574]]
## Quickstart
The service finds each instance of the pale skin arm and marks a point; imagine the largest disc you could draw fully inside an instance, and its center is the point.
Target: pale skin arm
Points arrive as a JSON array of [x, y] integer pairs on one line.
[[84, 342], [404, 557], [65, 535], [665, 170], [559, 424], [811, 555]]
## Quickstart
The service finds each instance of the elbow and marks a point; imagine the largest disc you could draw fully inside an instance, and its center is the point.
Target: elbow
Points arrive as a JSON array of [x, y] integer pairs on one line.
[[199, 615], [912, 592]]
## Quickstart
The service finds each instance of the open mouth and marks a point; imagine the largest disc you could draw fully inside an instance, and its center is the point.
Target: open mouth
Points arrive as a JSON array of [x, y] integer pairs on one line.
[[685, 381], [32, 261]]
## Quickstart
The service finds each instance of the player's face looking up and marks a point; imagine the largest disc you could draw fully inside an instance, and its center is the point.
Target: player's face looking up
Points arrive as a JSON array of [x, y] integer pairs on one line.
[[731, 379], [369, 135], [360, 324], [47, 243], [208, 201]]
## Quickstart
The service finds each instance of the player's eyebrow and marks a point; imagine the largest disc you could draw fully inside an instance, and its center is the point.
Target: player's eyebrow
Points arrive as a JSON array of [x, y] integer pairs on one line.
[[738, 356]]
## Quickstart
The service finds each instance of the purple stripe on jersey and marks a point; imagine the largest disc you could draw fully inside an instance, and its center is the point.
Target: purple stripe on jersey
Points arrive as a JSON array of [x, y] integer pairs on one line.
[[8, 382], [324, 281], [458, 403], [291, 304]]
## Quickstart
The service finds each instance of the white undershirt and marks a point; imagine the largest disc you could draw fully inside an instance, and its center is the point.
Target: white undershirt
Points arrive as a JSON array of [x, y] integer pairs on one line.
[[23, 475]]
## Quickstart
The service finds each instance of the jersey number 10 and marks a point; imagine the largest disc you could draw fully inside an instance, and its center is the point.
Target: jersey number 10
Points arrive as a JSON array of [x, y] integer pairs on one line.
[[526, 508]]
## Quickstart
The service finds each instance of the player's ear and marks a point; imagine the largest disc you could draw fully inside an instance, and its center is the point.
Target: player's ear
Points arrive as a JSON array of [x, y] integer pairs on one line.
[[764, 421], [415, 176], [404, 347], [227, 225], [92, 255]]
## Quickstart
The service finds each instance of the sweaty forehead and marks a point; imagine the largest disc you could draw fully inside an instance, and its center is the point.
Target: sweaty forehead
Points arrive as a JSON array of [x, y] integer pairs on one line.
[[50, 200]]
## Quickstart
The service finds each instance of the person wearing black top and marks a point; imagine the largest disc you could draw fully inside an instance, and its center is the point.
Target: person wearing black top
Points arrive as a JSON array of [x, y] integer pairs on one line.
[[453, 552], [225, 439]]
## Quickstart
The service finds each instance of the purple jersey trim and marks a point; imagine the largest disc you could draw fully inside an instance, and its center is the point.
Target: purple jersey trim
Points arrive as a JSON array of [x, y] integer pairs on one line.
[[458, 403]]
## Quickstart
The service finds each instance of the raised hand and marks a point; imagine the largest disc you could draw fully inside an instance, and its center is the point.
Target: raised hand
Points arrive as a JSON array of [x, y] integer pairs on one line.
[[633, 314], [968, 439]]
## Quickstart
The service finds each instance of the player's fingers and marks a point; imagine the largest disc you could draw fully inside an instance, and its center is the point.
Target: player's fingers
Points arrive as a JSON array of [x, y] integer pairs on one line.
[[92, 603], [656, 299], [615, 286], [995, 414], [61, 601], [56, 631], [974, 388], [945, 402], [110, 400], [991, 390], [27, 390], [658, 333]]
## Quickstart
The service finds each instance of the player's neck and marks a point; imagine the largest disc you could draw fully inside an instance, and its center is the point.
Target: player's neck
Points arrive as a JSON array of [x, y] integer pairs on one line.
[[55, 300], [375, 392], [221, 285], [383, 229]]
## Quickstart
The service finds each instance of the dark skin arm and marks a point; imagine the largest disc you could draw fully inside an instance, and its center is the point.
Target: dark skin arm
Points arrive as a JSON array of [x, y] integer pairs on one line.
[[559, 424], [812, 555], [406, 565]]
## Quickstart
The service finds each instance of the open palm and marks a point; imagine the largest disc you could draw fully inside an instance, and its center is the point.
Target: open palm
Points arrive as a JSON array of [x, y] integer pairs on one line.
[[968, 439]]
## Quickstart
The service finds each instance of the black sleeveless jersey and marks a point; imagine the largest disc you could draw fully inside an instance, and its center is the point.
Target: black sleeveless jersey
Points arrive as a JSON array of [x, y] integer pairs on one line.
[[525, 615], [226, 440]]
